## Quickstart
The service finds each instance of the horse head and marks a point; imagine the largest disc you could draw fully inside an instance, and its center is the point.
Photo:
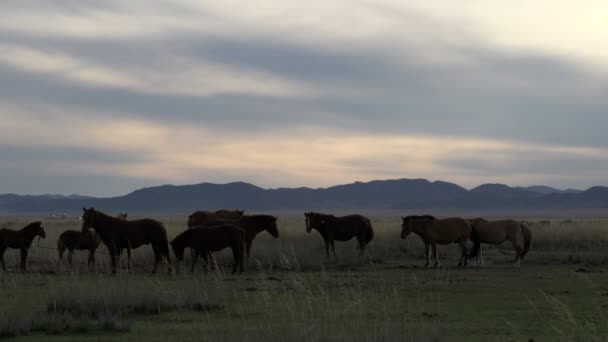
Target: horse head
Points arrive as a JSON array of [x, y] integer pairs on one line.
[[41, 231], [88, 219], [272, 227], [412, 222]]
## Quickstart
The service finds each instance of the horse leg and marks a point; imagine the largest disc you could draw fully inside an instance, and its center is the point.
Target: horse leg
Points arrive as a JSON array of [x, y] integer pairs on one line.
[[114, 253], [91, 260], [23, 259], [129, 260], [157, 258], [248, 247], [333, 248], [2, 250], [427, 255], [70, 256], [327, 248], [518, 251], [235, 254], [194, 257], [435, 254], [463, 253], [361, 244]]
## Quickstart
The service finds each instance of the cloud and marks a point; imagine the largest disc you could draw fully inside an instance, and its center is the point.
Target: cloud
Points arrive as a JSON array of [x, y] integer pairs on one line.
[[302, 93]]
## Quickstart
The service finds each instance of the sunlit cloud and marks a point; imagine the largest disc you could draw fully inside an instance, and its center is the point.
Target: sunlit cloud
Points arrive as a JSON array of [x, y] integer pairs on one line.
[[296, 93]]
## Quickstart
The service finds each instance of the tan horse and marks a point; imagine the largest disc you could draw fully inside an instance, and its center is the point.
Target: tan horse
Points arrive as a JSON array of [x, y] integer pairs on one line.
[[499, 231], [434, 231]]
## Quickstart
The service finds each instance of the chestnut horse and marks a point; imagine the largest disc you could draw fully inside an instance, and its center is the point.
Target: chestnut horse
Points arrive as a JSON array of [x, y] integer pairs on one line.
[[434, 231], [20, 239], [343, 228], [117, 234], [499, 231]]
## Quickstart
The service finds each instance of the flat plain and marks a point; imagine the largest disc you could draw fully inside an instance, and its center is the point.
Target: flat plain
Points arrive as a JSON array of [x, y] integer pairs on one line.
[[291, 291]]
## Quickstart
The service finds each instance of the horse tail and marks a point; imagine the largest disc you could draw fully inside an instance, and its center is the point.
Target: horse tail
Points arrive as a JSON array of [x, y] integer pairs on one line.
[[164, 243], [527, 235], [370, 231], [476, 238]]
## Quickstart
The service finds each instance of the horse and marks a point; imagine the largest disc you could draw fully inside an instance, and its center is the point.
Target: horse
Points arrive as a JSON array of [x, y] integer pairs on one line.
[[434, 231], [117, 234], [206, 239], [84, 241], [206, 217], [499, 231], [20, 239], [253, 225], [343, 228]]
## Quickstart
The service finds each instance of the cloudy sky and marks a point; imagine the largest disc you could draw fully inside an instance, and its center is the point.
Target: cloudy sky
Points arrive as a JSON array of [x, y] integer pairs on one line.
[[103, 97]]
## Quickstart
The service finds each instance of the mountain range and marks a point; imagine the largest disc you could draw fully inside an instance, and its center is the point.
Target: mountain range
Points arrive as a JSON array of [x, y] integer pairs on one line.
[[400, 195]]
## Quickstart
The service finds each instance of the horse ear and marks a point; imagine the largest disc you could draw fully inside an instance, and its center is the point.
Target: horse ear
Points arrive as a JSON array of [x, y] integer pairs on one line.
[[275, 218], [84, 209]]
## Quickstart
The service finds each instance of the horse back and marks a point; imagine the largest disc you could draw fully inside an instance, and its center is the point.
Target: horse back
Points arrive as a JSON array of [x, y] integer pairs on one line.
[[448, 230], [498, 231]]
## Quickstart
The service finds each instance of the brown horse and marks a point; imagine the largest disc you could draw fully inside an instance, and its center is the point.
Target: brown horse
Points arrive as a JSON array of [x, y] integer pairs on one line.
[[117, 234], [499, 231], [253, 225], [83, 241], [20, 239], [206, 239], [208, 217], [343, 228], [434, 231]]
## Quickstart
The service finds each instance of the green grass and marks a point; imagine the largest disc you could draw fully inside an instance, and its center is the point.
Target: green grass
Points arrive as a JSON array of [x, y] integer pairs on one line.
[[290, 292]]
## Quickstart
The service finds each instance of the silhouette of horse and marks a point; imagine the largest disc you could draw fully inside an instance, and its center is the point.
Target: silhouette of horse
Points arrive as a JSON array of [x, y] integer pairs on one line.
[[117, 234], [499, 231], [20, 239], [253, 225], [206, 239], [434, 231], [83, 241], [208, 217], [343, 228]]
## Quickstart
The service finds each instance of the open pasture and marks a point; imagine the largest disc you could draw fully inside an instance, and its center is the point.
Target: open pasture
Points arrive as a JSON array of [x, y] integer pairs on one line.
[[290, 291]]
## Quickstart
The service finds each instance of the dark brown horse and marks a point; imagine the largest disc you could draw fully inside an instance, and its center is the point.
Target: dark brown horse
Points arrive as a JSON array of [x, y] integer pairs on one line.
[[77, 240], [434, 231], [208, 217], [83, 241], [117, 234], [20, 239], [343, 228], [206, 239], [253, 225]]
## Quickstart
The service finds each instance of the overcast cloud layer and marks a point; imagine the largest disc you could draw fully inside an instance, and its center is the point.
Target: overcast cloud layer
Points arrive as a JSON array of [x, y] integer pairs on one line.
[[101, 98]]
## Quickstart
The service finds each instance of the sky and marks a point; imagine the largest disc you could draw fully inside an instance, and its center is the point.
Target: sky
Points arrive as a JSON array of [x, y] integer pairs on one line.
[[104, 97]]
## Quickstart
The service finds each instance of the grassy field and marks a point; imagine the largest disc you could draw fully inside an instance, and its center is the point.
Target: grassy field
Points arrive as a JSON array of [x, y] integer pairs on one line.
[[291, 292]]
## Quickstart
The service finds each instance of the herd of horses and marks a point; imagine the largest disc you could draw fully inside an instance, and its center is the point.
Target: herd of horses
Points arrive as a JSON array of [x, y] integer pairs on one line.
[[214, 231]]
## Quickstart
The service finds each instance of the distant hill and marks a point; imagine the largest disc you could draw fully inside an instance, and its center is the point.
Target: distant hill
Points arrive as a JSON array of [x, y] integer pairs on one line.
[[380, 195]]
